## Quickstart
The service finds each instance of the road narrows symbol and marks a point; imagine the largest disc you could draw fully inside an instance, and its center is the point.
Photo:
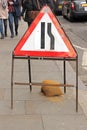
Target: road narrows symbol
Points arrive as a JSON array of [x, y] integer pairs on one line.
[[52, 40]]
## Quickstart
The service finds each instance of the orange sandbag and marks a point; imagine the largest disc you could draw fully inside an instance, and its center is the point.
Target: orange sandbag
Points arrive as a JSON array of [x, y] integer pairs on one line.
[[51, 90]]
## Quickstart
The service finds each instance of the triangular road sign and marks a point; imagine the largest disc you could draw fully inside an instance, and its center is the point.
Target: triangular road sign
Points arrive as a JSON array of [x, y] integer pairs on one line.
[[45, 38]]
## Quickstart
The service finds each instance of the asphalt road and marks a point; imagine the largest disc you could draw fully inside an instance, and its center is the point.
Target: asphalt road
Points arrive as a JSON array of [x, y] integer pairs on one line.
[[77, 33]]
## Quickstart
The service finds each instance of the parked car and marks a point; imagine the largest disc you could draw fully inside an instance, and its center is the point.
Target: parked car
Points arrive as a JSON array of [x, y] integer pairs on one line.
[[58, 6], [74, 9]]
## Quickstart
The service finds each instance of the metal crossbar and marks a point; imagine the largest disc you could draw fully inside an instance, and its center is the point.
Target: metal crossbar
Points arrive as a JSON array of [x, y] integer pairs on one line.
[[44, 84]]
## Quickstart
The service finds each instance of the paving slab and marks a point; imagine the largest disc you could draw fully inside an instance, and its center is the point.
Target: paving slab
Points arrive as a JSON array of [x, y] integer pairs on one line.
[[30, 122]]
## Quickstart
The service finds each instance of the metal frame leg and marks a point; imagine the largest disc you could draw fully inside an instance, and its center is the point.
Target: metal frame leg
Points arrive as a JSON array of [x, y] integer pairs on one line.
[[77, 84], [12, 68], [29, 69], [64, 66]]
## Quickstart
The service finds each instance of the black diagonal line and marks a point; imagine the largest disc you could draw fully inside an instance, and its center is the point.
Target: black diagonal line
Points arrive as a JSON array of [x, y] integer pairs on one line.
[[51, 36]]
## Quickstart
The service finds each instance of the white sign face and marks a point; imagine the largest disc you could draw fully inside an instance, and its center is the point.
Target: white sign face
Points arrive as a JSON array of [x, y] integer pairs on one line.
[[45, 37]]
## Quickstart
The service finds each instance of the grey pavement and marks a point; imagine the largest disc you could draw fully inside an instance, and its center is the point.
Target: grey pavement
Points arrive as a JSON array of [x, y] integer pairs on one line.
[[34, 111]]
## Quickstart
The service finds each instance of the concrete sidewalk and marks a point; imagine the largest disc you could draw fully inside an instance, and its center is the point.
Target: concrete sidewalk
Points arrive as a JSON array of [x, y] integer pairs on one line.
[[34, 111]]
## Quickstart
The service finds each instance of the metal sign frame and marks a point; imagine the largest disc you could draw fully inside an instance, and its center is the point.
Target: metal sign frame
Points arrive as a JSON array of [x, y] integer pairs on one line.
[[30, 80]]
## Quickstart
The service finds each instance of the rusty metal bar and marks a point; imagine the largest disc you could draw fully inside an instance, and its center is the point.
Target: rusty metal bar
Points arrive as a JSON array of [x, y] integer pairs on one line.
[[64, 65], [29, 69], [41, 84], [12, 68], [77, 84], [45, 58]]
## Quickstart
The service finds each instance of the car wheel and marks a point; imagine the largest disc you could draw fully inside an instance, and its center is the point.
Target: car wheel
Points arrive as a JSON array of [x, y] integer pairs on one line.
[[69, 16]]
